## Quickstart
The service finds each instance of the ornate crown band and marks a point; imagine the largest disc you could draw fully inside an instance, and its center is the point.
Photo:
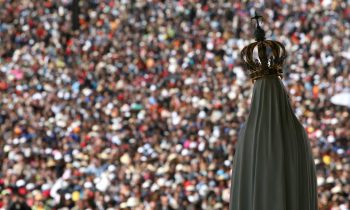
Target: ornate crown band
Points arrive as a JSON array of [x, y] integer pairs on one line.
[[263, 57]]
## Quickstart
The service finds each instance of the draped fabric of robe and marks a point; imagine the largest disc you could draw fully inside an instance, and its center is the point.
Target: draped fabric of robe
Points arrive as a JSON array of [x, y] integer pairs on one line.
[[273, 168]]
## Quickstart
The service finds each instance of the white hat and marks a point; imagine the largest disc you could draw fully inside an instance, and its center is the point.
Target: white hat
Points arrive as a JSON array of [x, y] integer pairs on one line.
[[67, 158], [7, 148], [151, 167], [57, 155], [178, 147], [190, 188], [123, 205], [111, 176], [143, 158], [320, 180], [88, 185], [95, 127], [45, 186], [226, 195], [125, 159], [169, 183], [20, 183], [76, 164], [140, 150], [173, 203], [203, 190], [336, 189], [111, 168], [193, 198], [330, 179], [179, 167], [154, 187], [185, 152], [133, 202], [67, 196], [161, 181], [146, 184], [97, 180], [218, 206], [15, 141], [163, 169], [30, 186], [171, 157]]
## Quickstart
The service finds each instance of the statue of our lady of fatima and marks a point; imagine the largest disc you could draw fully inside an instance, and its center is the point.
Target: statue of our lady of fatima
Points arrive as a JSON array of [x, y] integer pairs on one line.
[[273, 168]]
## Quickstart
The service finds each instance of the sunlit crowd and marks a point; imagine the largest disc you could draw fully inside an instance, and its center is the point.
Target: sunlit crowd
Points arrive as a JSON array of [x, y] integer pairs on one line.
[[140, 104]]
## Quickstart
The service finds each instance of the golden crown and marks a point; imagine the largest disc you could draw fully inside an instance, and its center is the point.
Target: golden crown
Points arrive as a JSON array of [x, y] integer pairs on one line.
[[269, 57]]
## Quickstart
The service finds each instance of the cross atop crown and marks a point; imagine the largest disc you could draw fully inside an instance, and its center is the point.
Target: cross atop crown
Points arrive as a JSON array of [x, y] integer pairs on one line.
[[269, 58], [257, 17]]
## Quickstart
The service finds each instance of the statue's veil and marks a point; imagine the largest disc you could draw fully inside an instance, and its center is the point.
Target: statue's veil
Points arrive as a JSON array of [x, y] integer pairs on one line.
[[273, 167]]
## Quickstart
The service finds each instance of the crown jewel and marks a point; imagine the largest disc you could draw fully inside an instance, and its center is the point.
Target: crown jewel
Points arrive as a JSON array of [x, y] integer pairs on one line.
[[263, 57]]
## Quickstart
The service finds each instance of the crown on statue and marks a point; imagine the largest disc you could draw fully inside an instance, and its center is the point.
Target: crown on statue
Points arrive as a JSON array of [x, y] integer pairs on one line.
[[263, 57]]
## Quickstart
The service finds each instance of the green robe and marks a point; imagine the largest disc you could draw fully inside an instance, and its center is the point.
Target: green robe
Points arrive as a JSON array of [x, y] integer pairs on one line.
[[273, 168]]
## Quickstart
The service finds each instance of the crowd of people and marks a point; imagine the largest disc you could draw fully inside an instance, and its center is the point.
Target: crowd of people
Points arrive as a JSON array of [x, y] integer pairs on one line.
[[139, 105]]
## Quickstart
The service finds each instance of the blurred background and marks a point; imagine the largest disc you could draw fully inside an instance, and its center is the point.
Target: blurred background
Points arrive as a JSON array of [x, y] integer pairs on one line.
[[136, 104]]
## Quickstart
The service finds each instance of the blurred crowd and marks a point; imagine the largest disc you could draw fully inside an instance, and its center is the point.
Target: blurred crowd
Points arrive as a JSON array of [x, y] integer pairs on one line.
[[140, 106]]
